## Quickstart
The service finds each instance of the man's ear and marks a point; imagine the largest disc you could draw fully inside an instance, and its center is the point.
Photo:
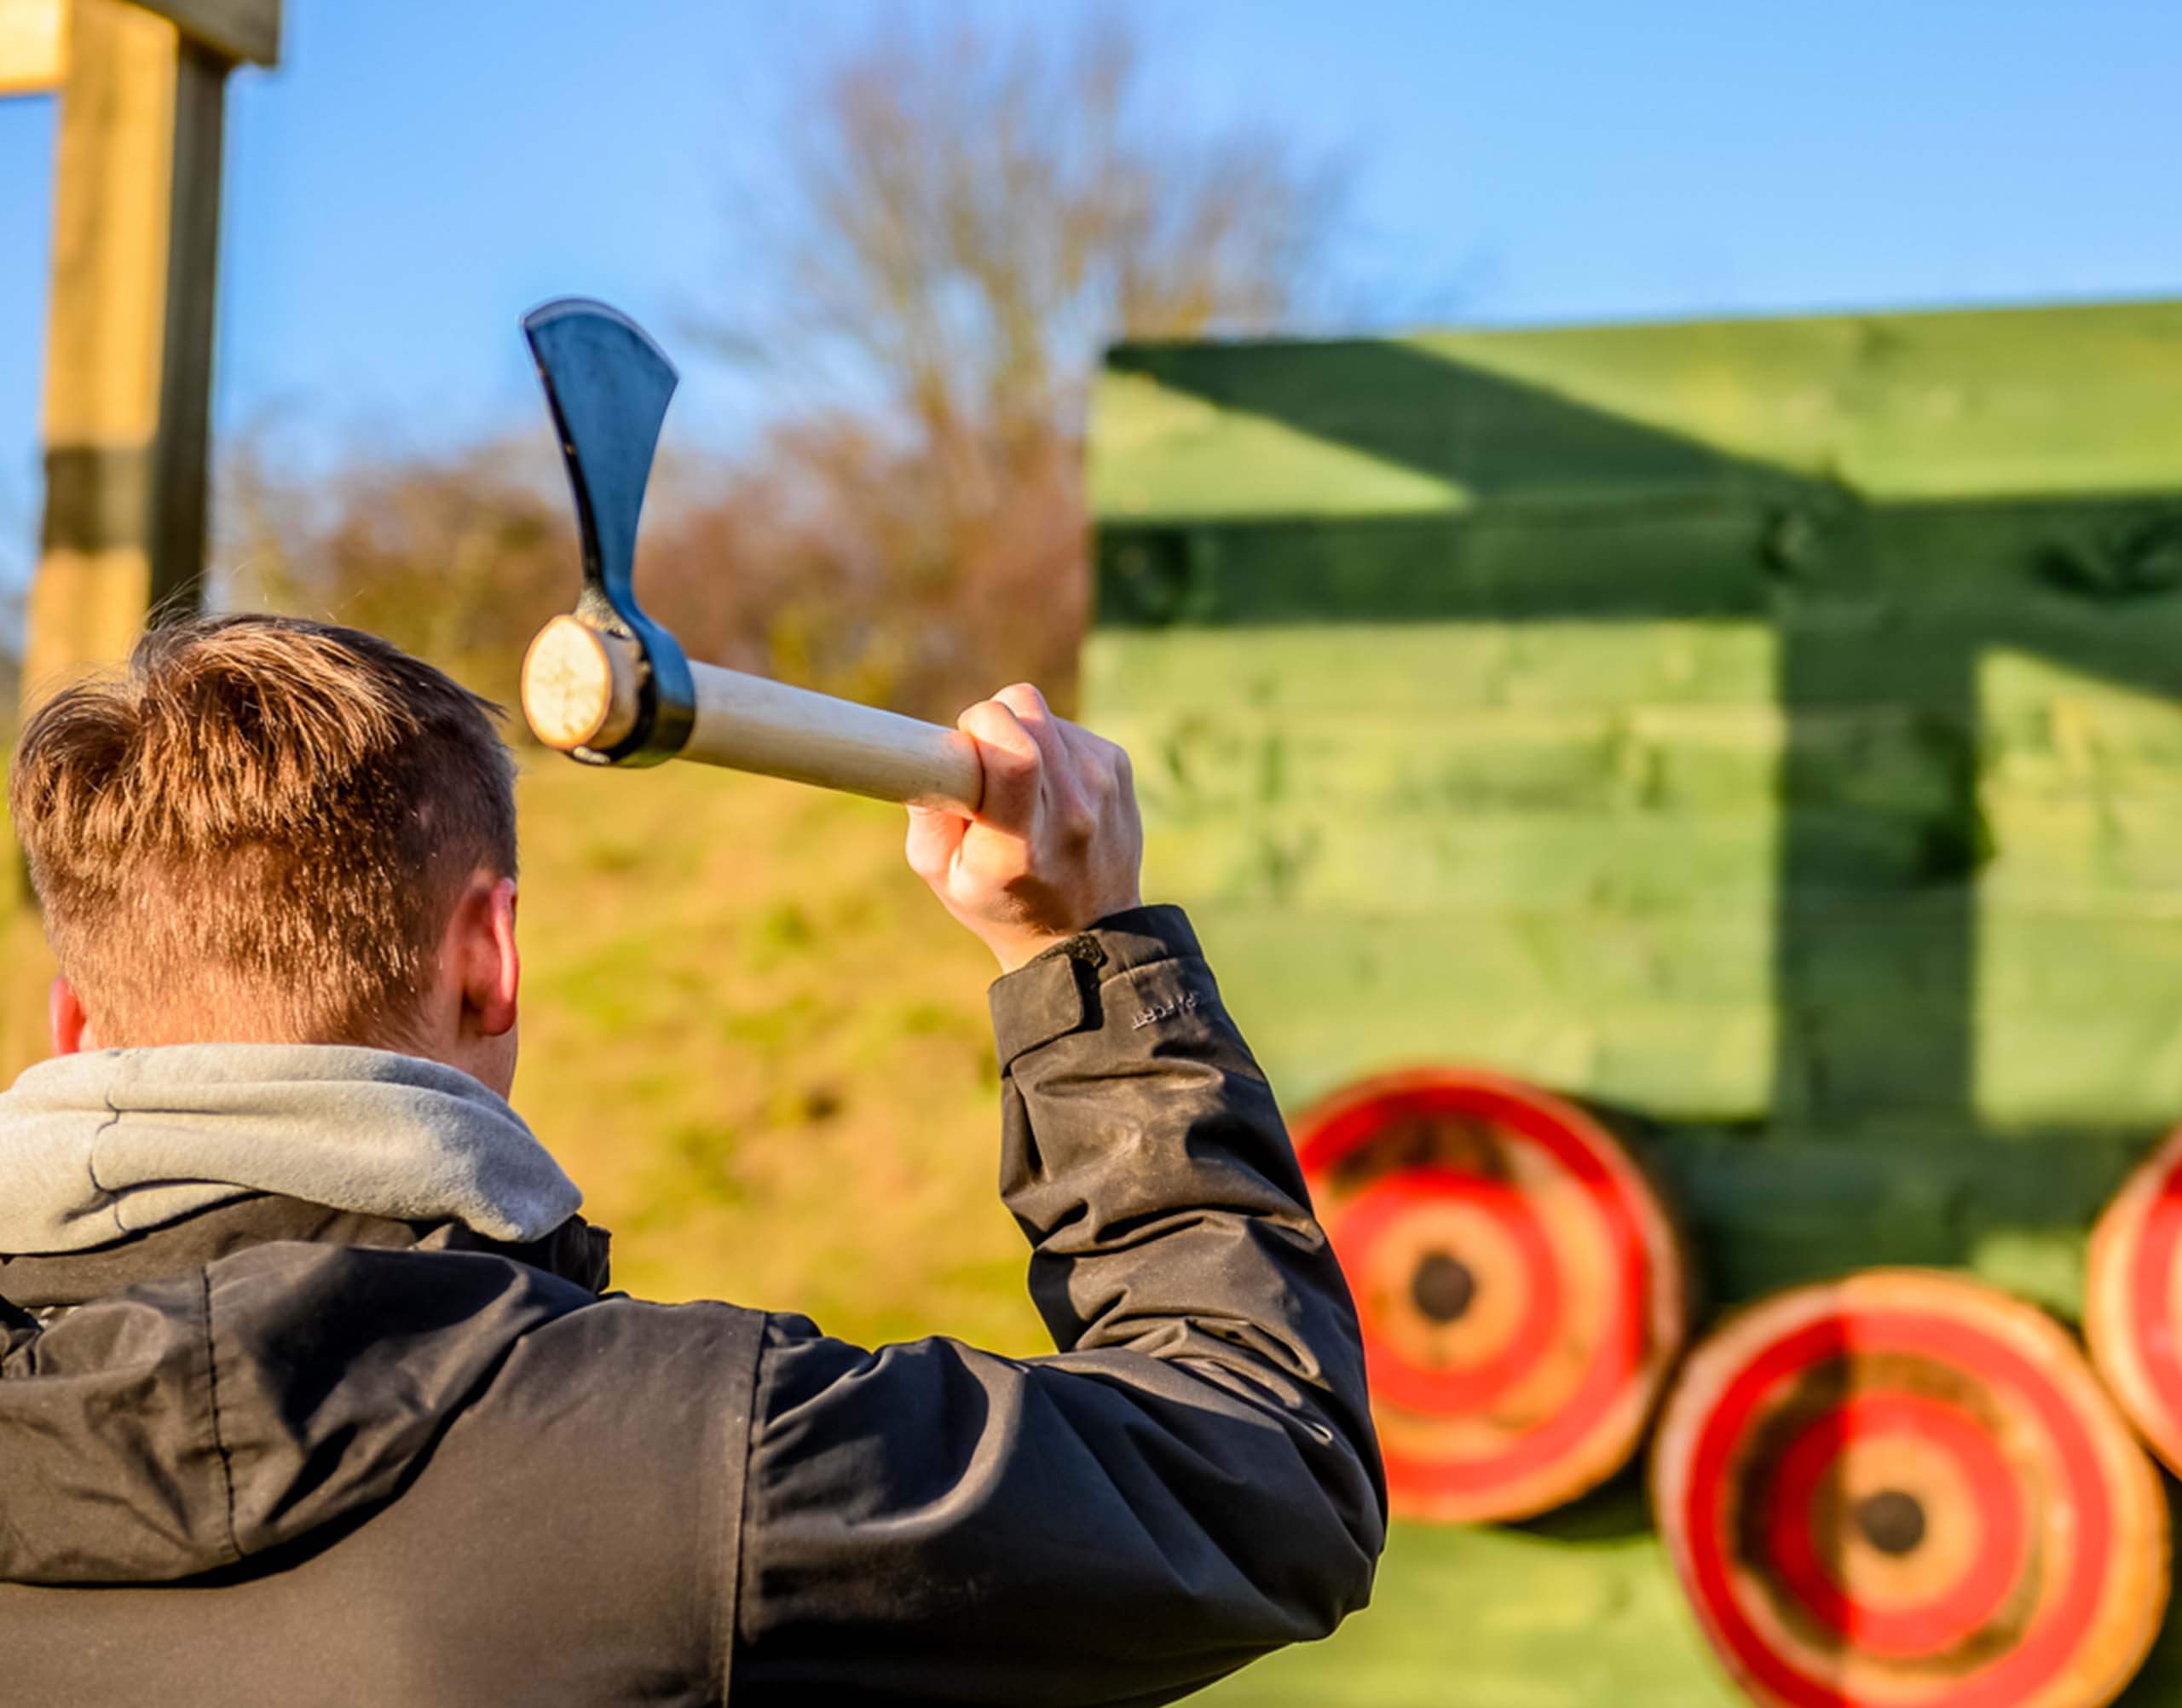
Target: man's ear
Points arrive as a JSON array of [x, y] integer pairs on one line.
[[492, 968], [64, 1019]]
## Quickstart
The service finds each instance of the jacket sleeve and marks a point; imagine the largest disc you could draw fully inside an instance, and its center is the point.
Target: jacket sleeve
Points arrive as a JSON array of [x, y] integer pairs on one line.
[[1191, 1481]]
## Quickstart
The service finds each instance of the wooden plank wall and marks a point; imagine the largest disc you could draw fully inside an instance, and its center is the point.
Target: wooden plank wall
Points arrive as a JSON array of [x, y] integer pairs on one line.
[[1769, 731], [1764, 729]]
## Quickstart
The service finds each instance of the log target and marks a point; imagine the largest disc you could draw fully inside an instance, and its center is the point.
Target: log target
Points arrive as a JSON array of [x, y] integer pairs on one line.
[[2133, 1299], [1521, 1288], [1905, 1490]]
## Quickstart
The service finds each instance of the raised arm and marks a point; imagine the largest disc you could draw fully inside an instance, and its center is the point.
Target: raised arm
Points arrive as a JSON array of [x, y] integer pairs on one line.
[[1193, 1480]]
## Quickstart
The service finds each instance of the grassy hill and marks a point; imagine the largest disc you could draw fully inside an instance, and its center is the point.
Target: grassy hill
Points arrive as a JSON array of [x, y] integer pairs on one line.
[[762, 1049]]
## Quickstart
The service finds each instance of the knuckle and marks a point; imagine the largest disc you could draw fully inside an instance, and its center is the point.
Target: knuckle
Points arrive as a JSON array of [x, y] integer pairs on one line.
[[923, 854]]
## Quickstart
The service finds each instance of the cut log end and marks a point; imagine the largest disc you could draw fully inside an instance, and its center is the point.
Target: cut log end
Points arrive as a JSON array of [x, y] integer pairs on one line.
[[1904, 1486], [1522, 1291], [579, 687]]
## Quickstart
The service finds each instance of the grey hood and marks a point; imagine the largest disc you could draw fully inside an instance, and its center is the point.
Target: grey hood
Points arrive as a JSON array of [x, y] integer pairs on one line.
[[97, 1146], [208, 1350]]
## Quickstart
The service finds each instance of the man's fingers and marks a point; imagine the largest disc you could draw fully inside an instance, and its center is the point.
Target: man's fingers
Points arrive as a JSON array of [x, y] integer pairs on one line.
[[1032, 713], [935, 834], [1096, 760], [1024, 700], [1079, 768], [994, 723], [1036, 763], [1014, 760], [1099, 769]]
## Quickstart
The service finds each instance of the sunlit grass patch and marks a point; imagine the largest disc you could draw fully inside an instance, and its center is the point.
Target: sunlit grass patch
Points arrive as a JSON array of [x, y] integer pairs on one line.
[[763, 1051]]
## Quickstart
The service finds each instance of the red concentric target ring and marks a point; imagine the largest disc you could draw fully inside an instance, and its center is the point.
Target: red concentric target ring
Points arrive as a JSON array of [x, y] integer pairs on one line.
[[2133, 1299], [1968, 1597], [1904, 1489], [1519, 1286]]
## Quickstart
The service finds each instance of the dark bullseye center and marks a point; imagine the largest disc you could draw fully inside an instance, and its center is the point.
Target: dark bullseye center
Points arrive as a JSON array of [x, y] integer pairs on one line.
[[1893, 1522], [1442, 1287]]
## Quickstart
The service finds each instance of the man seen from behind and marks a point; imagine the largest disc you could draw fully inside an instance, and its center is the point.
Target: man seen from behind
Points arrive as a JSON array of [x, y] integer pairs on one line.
[[313, 1393]]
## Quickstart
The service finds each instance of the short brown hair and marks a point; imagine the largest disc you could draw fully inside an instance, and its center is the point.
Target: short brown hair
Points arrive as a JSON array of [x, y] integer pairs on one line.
[[258, 828]]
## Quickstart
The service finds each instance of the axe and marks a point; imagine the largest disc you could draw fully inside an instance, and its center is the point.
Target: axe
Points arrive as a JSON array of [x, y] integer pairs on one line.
[[609, 686]]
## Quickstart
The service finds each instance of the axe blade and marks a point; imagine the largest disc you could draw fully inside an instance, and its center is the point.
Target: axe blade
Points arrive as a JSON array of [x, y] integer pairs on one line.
[[609, 686], [608, 385]]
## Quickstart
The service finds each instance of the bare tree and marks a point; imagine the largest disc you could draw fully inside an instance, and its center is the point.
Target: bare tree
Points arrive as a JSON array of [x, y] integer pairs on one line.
[[963, 220], [455, 557]]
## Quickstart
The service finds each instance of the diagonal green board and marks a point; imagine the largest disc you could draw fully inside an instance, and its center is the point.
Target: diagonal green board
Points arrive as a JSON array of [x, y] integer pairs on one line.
[[1767, 729]]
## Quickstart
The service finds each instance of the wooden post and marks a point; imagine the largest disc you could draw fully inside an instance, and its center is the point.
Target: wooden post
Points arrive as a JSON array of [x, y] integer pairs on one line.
[[128, 387], [128, 369]]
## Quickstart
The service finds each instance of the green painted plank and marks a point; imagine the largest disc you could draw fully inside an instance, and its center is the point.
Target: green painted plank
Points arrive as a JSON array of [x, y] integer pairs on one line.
[[1577, 1610], [1785, 1206], [1882, 761], [1154, 441], [1507, 1617], [2075, 1019], [1655, 564], [1433, 862], [1694, 1060], [2058, 725], [2079, 1015], [1673, 1012], [1408, 668], [1901, 407], [2081, 788], [1479, 859], [2049, 575], [2103, 853]]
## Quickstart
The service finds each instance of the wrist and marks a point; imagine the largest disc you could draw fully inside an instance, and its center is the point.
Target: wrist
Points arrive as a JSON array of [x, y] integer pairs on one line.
[[1019, 947]]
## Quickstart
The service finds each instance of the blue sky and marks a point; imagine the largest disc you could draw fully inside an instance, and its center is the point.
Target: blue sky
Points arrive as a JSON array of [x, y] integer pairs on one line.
[[418, 171]]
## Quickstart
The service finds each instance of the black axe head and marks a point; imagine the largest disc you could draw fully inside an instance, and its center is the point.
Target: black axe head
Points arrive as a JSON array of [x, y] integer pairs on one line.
[[608, 385]]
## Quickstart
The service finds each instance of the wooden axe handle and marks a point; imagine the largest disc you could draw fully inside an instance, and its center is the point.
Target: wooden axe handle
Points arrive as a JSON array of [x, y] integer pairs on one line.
[[581, 689]]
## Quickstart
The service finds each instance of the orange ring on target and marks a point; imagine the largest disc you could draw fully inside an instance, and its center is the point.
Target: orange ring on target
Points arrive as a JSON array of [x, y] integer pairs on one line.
[[1367, 1219]]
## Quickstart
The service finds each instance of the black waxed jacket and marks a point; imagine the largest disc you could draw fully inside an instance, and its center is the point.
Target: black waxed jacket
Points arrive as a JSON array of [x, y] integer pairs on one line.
[[276, 1453]]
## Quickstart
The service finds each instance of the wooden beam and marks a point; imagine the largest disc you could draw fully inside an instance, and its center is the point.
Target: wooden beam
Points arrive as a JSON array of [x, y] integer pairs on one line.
[[243, 30], [33, 45], [34, 36], [129, 375]]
